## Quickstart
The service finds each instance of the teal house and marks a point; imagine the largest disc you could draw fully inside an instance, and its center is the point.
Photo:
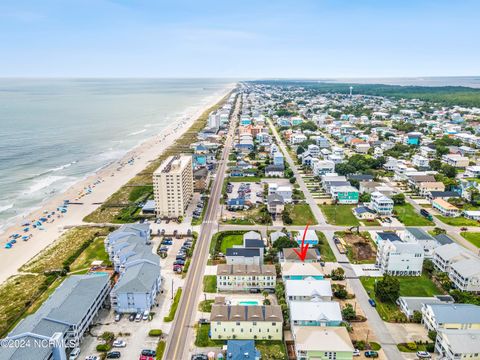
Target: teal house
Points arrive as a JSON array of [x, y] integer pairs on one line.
[[345, 194], [413, 138]]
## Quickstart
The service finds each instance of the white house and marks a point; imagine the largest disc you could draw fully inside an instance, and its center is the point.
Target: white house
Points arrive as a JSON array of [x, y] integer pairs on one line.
[[465, 275], [308, 290], [381, 204], [420, 161], [450, 316], [400, 259], [453, 344]]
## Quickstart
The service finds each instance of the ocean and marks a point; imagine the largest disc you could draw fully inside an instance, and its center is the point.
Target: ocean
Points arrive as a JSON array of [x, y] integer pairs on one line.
[[55, 132]]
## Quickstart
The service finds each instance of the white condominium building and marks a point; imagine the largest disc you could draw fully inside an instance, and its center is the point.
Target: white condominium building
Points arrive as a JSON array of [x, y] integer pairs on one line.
[[173, 186]]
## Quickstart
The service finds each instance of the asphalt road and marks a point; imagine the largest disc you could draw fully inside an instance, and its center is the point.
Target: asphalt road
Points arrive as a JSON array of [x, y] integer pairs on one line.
[[178, 339]]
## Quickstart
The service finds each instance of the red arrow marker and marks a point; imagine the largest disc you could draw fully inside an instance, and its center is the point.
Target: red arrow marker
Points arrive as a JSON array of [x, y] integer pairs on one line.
[[303, 249]]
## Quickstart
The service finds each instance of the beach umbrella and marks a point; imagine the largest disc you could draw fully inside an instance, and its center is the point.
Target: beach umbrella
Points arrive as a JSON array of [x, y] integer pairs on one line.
[[26, 224], [26, 229], [8, 246], [25, 238]]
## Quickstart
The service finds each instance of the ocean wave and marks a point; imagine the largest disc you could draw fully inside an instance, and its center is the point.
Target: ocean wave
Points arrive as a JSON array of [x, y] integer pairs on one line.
[[6, 207], [43, 183], [137, 132], [60, 167]]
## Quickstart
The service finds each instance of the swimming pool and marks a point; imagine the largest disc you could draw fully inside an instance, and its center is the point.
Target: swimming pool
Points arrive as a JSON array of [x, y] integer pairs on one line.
[[248, 303]]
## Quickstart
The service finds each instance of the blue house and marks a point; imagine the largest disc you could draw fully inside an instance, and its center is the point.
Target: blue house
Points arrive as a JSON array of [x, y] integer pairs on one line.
[[311, 237], [413, 138], [242, 350]]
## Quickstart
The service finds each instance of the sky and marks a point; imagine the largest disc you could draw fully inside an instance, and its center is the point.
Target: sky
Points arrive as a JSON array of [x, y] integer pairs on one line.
[[239, 39]]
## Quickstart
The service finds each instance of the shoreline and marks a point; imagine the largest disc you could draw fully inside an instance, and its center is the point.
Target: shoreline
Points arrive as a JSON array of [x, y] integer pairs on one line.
[[88, 193]]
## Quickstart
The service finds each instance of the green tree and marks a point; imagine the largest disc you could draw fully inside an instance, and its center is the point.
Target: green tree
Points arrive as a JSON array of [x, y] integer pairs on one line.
[[449, 171], [365, 197], [435, 164], [399, 199], [348, 312], [417, 317], [388, 289], [287, 220], [284, 242], [441, 150]]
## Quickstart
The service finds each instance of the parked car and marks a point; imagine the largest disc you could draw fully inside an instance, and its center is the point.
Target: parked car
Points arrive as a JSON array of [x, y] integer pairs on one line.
[[179, 262], [138, 317], [118, 317], [177, 268], [423, 355], [114, 355], [131, 317], [356, 352], [254, 291], [199, 357], [92, 357], [74, 354], [372, 302], [371, 354], [146, 314], [119, 343], [148, 352], [144, 357]]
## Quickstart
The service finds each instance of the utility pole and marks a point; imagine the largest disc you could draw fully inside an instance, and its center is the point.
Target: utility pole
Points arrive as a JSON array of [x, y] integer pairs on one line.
[[172, 289]]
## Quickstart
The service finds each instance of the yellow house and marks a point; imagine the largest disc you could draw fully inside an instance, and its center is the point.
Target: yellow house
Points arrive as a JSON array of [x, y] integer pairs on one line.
[[247, 322]]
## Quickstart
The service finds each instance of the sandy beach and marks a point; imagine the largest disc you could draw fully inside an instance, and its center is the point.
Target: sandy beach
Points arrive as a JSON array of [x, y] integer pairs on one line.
[[90, 193]]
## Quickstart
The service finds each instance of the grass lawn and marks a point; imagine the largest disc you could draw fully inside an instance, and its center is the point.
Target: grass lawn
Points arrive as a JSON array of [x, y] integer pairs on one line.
[[339, 215], [410, 217], [409, 286], [272, 350], [95, 251], [457, 221], [160, 349], [325, 249], [173, 308], [230, 240], [205, 305], [218, 240], [202, 339], [210, 283], [301, 214], [473, 237]]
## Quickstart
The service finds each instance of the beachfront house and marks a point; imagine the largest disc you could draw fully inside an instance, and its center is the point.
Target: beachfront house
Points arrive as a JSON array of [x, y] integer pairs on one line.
[[61, 321]]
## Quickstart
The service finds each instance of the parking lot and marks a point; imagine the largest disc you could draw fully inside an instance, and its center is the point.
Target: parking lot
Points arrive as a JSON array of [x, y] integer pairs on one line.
[[135, 333], [250, 191]]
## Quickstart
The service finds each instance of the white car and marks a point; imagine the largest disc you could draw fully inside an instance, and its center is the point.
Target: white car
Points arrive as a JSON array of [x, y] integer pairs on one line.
[[92, 357], [423, 355], [119, 344], [356, 352]]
